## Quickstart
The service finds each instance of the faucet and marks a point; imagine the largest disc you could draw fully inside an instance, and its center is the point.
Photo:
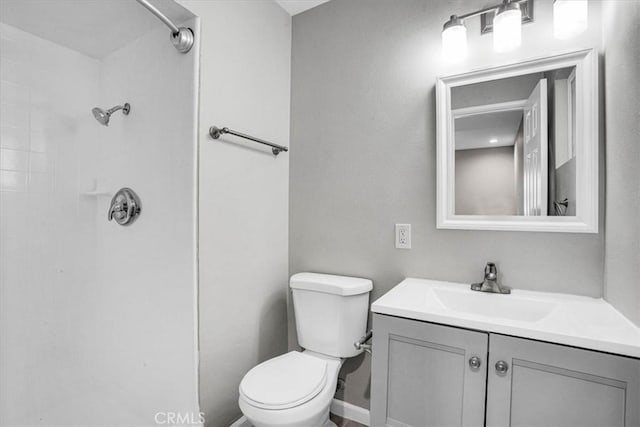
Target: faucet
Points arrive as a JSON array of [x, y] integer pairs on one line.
[[490, 282]]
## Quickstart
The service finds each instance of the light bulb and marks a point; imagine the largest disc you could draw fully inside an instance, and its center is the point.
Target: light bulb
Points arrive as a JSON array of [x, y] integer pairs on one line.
[[507, 27], [569, 18], [454, 40]]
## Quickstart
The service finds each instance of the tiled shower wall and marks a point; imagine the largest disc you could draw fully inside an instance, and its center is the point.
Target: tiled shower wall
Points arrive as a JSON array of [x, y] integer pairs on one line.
[[47, 251], [97, 321]]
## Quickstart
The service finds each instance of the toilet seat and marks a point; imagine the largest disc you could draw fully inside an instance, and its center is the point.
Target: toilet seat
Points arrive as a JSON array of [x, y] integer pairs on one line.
[[285, 381]]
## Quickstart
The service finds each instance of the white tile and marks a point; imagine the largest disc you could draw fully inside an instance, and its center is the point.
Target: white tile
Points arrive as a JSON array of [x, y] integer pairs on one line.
[[39, 119], [41, 183], [10, 71], [13, 181], [39, 162], [14, 160], [13, 116], [14, 94], [38, 142], [10, 49], [16, 138]]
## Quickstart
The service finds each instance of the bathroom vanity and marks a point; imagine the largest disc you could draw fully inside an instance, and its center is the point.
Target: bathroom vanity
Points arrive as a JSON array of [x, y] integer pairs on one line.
[[448, 356]]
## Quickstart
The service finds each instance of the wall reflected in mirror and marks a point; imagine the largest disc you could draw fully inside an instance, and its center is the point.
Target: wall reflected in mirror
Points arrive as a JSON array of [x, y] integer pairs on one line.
[[515, 145]]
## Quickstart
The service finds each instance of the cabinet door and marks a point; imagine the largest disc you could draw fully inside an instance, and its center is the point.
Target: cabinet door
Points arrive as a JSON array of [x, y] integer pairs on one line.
[[554, 385], [421, 374]]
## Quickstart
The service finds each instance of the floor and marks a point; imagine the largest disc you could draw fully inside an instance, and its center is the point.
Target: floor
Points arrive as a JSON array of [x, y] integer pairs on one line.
[[342, 422]]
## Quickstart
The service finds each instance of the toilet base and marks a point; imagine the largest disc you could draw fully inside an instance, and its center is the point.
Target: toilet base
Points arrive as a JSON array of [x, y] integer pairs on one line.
[[329, 423], [318, 420]]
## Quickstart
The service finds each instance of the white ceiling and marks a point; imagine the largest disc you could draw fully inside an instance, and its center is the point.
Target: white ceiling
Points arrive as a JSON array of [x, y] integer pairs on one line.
[[298, 6], [92, 27], [478, 130]]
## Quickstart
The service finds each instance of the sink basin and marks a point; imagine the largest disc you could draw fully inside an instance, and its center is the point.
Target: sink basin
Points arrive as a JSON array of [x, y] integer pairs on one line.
[[510, 307], [573, 320]]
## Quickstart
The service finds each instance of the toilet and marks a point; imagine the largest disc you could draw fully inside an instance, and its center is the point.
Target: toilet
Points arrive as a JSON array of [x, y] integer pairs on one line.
[[296, 389]]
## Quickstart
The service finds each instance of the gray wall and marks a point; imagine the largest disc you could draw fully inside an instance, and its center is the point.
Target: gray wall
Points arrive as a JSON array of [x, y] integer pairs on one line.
[[243, 196], [363, 127], [485, 181], [622, 260]]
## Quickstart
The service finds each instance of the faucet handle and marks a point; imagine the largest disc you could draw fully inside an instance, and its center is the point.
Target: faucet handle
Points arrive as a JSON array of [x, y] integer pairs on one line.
[[125, 207], [490, 282], [491, 271], [118, 209]]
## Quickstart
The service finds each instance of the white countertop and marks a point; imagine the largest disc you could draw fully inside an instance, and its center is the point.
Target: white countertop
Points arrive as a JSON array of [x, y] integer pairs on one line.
[[590, 323]]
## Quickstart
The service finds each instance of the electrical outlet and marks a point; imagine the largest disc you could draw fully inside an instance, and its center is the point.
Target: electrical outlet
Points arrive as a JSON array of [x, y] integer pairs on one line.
[[403, 236]]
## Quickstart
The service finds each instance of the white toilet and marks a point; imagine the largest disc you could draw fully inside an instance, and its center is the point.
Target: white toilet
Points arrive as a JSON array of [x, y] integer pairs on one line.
[[296, 389]]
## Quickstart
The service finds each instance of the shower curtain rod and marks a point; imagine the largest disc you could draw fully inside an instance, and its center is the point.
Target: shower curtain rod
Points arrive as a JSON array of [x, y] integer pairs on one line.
[[181, 37]]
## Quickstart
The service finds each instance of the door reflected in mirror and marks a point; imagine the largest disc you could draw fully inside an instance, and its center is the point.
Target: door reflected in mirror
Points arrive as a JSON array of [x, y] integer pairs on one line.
[[515, 146]]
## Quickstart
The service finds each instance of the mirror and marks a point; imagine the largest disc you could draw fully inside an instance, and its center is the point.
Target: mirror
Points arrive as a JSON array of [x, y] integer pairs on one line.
[[517, 146]]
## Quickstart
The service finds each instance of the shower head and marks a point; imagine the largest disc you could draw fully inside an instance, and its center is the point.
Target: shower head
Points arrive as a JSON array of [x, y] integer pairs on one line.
[[103, 116]]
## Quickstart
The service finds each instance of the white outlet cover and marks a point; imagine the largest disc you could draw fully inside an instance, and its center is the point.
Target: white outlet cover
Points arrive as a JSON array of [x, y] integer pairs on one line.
[[403, 236]]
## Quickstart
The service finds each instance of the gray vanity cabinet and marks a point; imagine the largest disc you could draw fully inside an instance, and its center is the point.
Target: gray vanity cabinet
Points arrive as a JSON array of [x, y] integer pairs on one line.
[[422, 375], [555, 385]]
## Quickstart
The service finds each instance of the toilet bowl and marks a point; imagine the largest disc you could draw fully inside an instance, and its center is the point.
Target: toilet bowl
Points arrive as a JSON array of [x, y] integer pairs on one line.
[[296, 389], [293, 390]]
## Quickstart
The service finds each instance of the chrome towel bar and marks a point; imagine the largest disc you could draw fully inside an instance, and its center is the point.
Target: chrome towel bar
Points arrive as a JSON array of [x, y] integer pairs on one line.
[[216, 132]]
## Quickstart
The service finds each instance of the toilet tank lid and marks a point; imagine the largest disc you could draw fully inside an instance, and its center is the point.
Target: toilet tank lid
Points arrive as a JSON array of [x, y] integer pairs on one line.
[[330, 284]]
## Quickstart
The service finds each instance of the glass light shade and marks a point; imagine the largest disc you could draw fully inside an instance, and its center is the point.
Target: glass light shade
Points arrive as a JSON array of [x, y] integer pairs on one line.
[[454, 43], [507, 30], [569, 18]]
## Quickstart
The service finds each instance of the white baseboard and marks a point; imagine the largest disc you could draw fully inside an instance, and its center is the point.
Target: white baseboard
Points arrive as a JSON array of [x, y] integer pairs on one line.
[[338, 407], [351, 412], [241, 422]]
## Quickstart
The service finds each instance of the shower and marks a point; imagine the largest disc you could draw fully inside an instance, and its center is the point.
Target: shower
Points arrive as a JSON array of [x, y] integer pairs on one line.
[[96, 298], [103, 116]]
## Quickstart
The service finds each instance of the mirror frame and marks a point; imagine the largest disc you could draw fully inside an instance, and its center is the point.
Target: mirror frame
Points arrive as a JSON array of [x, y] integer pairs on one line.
[[587, 178]]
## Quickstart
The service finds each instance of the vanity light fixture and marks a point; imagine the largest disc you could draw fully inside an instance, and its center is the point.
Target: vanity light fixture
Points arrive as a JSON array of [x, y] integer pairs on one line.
[[504, 20], [569, 18]]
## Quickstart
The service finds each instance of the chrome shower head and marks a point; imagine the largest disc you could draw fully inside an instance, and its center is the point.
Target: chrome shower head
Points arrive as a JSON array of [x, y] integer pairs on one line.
[[101, 116], [104, 116]]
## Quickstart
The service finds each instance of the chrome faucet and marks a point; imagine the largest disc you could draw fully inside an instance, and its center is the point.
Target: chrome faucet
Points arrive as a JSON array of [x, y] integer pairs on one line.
[[490, 282]]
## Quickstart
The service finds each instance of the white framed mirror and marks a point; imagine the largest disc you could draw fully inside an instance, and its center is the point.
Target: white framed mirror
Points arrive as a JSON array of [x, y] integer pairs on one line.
[[517, 146]]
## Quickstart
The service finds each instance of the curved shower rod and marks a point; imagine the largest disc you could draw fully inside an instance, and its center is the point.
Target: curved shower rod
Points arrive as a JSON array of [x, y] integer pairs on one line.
[[182, 37]]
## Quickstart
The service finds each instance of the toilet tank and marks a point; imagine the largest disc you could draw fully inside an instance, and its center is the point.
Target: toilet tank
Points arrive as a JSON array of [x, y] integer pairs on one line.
[[331, 312]]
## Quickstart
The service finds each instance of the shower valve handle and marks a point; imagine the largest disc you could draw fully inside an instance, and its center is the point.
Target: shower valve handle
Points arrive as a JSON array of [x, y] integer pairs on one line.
[[119, 210], [125, 207]]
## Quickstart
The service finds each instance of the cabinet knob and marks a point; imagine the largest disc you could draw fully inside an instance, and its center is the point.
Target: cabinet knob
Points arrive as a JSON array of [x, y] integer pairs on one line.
[[474, 363], [502, 367]]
